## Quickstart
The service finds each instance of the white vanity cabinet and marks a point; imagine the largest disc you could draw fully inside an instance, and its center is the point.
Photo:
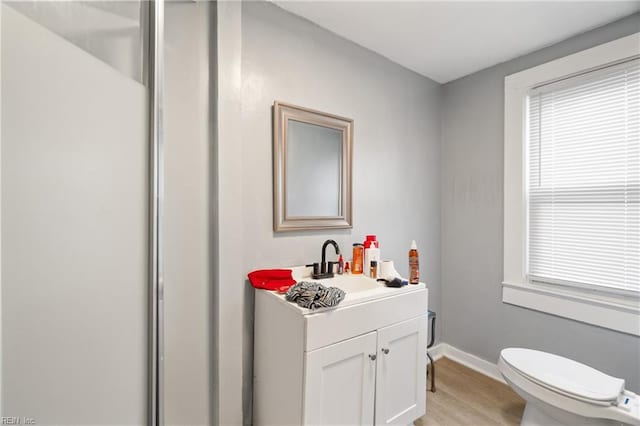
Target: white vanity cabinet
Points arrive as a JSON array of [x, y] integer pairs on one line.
[[401, 372], [340, 383], [362, 363]]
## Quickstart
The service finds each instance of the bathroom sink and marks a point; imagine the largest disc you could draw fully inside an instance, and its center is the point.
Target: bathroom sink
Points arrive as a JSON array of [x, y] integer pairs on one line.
[[358, 288], [351, 283], [347, 282]]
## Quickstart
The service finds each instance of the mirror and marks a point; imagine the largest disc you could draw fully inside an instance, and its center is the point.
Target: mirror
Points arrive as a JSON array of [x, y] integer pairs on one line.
[[311, 169]]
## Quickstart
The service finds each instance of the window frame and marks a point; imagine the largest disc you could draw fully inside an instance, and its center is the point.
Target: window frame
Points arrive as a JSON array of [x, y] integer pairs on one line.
[[606, 309]]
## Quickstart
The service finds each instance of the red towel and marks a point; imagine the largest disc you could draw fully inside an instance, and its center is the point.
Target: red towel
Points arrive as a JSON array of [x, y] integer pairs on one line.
[[272, 279]]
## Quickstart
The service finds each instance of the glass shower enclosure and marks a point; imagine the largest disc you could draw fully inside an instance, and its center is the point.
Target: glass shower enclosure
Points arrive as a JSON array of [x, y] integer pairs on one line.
[[79, 177]]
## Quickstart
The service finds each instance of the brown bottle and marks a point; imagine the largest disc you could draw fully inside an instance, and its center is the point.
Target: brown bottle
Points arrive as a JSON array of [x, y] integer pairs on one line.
[[358, 257], [373, 271], [414, 264]]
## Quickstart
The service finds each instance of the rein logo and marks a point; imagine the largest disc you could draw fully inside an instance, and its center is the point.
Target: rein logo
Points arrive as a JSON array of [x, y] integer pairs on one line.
[[7, 420]]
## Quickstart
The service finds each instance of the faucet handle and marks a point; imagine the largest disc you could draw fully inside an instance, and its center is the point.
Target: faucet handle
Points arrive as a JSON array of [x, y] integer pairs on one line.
[[315, 266], [330, 267]]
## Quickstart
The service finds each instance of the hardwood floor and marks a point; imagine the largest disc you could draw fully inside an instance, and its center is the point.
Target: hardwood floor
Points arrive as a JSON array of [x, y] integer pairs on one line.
[[465, 397]]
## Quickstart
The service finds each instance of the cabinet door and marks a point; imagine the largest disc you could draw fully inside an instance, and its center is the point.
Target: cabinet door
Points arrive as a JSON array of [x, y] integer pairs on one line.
[[401, 372], [340, 383]]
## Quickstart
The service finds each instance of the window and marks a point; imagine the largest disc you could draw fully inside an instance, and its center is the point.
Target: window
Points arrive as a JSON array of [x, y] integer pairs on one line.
[[572, 187], [583, 162]]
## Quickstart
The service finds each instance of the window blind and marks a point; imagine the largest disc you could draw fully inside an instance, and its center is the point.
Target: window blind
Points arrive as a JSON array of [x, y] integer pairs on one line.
[[583, 180]]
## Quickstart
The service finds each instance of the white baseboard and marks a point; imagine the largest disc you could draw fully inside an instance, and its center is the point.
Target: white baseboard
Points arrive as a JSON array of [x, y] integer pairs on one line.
[[468, 360], [437, 351]]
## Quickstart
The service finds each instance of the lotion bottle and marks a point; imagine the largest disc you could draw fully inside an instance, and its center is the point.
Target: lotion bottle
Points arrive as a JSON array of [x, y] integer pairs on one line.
[[371, 253], [414, 264]]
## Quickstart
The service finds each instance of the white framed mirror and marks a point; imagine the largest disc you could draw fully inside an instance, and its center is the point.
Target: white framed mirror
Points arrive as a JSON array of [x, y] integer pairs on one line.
[[312, 153]]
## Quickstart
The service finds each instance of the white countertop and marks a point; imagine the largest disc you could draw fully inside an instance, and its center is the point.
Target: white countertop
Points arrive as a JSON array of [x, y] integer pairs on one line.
[[357, 288]]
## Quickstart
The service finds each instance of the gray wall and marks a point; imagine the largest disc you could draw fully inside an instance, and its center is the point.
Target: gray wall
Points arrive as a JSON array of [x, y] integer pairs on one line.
[[475, 319], [188, 306], [231, 342], [396, 171], [396, 140]]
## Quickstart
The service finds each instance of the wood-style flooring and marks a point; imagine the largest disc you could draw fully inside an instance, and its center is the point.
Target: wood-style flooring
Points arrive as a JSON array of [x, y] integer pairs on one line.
[[465, 397]]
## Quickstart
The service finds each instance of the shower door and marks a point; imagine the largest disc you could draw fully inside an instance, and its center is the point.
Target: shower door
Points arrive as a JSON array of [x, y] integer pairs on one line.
[[75, 227]]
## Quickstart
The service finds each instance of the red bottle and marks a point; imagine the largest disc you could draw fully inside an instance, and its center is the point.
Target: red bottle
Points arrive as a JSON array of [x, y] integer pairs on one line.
[[371, 238]]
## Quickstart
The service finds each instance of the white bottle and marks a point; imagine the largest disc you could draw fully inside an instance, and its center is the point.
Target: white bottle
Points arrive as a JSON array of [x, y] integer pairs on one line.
[[371, 253]]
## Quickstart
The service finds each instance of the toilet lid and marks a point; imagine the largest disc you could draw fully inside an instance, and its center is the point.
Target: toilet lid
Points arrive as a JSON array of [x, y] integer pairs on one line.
[[564, 375]]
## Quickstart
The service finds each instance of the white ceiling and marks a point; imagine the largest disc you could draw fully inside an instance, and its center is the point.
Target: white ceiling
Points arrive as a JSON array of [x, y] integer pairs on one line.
[[447, 40]]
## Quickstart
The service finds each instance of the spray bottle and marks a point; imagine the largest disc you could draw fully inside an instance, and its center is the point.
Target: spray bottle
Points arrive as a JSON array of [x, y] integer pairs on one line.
[[414, 264]]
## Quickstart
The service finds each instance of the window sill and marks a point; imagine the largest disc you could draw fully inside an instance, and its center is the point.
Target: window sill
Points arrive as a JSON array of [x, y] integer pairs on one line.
[[616, 313]]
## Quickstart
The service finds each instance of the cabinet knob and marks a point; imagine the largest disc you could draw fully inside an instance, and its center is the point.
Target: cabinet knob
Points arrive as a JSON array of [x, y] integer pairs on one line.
[[385, 351], [372, 357]]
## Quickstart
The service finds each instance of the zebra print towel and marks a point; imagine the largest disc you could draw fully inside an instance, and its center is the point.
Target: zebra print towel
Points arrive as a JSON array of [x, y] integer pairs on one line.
[[314, 295]]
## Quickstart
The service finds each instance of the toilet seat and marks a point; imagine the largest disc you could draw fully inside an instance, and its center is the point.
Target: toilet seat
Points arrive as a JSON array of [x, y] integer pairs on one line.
[[565, 376], [565, 392]]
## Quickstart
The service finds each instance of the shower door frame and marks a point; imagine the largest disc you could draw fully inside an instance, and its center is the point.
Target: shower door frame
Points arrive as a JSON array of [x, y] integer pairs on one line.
[[155, 72]]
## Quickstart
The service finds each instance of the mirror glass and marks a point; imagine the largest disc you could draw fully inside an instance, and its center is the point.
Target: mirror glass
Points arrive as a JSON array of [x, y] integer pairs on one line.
[[311, 169], [314, 159]]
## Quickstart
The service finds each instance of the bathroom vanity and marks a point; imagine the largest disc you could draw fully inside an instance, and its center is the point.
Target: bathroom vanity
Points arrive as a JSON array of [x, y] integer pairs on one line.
[[360, 363]]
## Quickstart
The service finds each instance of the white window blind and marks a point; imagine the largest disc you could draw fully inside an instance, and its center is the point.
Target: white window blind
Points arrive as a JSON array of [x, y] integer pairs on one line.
[[583, 191]]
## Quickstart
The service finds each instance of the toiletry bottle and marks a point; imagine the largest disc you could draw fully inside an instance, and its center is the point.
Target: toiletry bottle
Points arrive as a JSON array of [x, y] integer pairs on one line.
[[340, 265], [414, 271], [346, 268], [373, 271], [358, 256], [371, 238], [366, 264], [371, 253]]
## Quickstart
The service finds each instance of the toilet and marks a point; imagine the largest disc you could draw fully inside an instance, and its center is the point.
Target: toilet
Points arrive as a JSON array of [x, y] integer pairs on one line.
[[559, 391]]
